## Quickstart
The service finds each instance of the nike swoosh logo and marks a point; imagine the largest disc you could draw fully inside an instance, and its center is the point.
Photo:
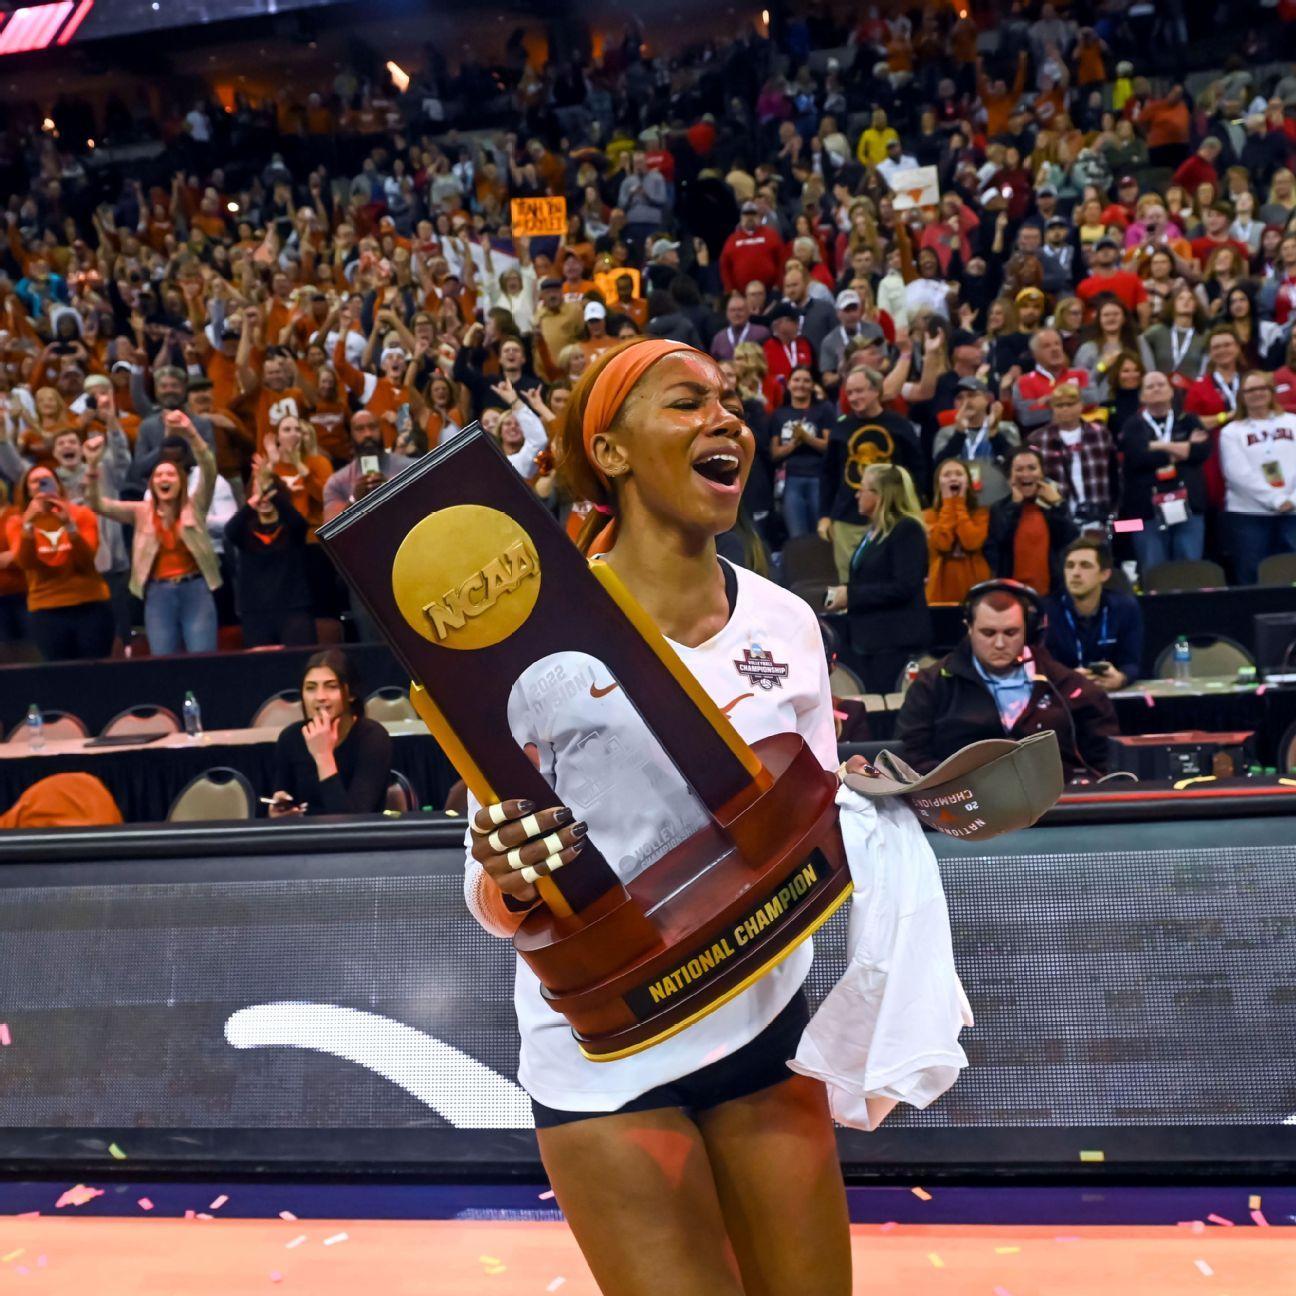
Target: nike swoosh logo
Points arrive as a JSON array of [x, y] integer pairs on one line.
[[596, 692], [729, 706]]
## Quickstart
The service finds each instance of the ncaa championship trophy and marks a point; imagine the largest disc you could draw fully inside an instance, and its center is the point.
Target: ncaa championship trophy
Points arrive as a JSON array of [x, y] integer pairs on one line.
[[472, 581]]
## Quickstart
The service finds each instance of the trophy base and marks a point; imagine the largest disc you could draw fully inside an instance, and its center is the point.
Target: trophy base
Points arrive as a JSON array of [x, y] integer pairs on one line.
[[726, 906]]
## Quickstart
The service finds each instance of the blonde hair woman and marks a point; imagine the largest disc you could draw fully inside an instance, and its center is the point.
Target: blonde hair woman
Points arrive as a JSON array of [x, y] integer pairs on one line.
[[885, 598], [752, 368]]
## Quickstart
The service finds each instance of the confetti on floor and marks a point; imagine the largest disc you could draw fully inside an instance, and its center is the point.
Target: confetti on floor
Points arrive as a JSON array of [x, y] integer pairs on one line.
[[219, 1202], [335, 1239], [1258, 1219], [1197, 1226], [1002, 1291], [1219, 1219], [557, 1282], [145, 1204], [1206, 1270], [936, 1261], [888, 1226], [1007, 1250], [114, 1151], [276, 1276], [1093, 1155], [5, 1038], [78, 1195], [547, 1196], [13, 1255], [287, 1215], [1253, 1202], [921, 1193], [296, 1242]]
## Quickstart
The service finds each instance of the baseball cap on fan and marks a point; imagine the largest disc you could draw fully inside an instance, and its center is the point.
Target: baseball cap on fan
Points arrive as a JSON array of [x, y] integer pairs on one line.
[[984, 790]]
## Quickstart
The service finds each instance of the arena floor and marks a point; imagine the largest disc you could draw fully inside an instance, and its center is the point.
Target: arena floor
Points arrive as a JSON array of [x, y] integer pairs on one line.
[[219, 1254]]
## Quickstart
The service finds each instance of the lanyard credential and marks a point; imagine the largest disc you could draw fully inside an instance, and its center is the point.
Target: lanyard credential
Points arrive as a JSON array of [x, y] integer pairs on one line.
[[1075, 632], [1229, 390]]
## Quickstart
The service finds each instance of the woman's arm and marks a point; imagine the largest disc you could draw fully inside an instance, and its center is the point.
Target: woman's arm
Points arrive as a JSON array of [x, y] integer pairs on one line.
[[368, 785]]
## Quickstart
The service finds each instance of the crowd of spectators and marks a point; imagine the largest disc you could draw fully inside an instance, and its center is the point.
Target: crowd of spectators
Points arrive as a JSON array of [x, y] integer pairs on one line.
[[1086, 335]]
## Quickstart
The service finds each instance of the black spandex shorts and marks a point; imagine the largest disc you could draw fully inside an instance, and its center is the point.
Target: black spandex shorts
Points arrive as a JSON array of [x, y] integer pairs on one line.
[[757, 1065]]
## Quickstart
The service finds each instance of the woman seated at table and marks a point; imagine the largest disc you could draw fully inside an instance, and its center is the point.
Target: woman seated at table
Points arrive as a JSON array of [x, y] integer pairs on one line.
[[337, 760]]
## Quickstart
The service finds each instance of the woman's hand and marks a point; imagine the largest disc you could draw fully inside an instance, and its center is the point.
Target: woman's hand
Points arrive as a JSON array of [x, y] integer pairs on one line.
[[835, 599], [282, 806], [321, 737], [516, 846]]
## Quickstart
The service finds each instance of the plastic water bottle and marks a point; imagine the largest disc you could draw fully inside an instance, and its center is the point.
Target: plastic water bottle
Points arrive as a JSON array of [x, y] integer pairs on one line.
[[1182, 660], [911, 672], [192, 717], [35, 728]]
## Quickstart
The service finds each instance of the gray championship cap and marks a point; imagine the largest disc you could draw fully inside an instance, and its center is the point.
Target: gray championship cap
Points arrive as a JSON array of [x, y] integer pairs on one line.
[[986, 789]]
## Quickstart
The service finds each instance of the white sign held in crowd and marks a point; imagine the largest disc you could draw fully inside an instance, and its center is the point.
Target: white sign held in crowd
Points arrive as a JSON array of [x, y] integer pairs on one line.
[[916, 187]]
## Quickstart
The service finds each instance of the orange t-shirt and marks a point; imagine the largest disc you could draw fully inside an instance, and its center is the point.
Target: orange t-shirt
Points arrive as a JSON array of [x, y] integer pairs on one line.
[[594, 347], [306, 488], [271, 406], [332, 433], [59, 574], [173, 557], [1031, 549], [13, 580], [223, 373]]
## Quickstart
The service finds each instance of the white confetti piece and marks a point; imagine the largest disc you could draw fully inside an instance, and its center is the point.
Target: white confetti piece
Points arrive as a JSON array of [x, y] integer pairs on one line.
[[335, 1239], [219, 1202], [287, 1215], [888, 1226], [296, 1242], [557, 1282], [1206, 1270], [547, 1196]]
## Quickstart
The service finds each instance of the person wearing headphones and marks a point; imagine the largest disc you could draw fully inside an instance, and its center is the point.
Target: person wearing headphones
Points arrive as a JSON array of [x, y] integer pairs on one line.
[[1001, 682]]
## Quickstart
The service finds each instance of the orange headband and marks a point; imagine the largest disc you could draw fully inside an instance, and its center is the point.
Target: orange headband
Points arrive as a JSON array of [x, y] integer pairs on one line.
[[615, 383]]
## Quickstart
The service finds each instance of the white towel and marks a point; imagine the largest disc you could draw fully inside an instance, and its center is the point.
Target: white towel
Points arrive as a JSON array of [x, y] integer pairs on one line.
[[888, 1031]]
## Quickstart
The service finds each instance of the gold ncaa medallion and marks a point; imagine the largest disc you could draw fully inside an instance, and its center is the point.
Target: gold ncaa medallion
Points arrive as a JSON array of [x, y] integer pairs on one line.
[[466, 577]]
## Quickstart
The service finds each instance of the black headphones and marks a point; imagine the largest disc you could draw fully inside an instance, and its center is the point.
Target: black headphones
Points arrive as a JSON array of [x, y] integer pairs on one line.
[[1032, 605]]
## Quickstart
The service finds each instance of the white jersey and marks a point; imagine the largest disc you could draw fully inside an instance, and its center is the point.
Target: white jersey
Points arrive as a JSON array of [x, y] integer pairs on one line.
[[1258, 459], [766, 670]]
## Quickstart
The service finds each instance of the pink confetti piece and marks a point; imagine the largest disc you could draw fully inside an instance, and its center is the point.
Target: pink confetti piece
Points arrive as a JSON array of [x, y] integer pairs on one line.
[[1196, 1225], [1204, 1268], [1076, 693], [145, 1204], [219, 1202], [1149, 699], [888, 1226], [41, 1262], [28, 1215], [287, 1215], [5, 1038], [1219, 1219], [1002, 1291], [547, 1196], [22, 1269], [1261, 690], [335, 1239], [78, 1196], [189, 1214], [202, 1215], [1123, 525], [276, 1276], [921, 1193], [557, 1282], [1258, 1219], [296, 1242]]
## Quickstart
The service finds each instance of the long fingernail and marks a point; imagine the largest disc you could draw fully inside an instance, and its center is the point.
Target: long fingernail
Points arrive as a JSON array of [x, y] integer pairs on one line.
[[525, 807], [579, 829], [562, 815]]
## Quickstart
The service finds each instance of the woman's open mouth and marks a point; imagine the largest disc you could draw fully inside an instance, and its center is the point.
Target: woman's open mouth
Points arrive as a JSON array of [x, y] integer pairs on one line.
[[720, 469]]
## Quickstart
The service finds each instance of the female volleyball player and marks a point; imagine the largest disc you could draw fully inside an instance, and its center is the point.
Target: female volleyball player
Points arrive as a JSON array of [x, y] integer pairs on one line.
[[700, 1166]]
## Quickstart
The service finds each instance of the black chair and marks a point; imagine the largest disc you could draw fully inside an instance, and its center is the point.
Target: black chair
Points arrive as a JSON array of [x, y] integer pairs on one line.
[[215, 794], [1287, 751], [807, 558], [142, 720], [401, 796], [1185, 574]]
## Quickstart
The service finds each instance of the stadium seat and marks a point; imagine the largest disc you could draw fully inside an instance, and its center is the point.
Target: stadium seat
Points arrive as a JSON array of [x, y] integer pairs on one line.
[[807, 558], [1213, 656], [216, 794], [400, 794], [844, 682], [278, 710], [142, 719], [1175, 577], [58, 724], [389, 703], [1277, 569]]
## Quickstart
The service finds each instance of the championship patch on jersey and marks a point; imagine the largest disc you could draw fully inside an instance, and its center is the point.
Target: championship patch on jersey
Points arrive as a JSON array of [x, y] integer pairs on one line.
[[760, 669]]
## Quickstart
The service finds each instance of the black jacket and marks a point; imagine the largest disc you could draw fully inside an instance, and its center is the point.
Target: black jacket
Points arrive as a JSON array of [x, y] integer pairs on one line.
[[272, 559], [949, 706], [886, 597], [363, 764], [1141, 465], [1004, 517]]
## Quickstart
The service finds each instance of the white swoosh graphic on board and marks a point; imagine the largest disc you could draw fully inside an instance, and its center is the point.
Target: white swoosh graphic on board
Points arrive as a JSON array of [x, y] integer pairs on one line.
[[462, 1091]]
